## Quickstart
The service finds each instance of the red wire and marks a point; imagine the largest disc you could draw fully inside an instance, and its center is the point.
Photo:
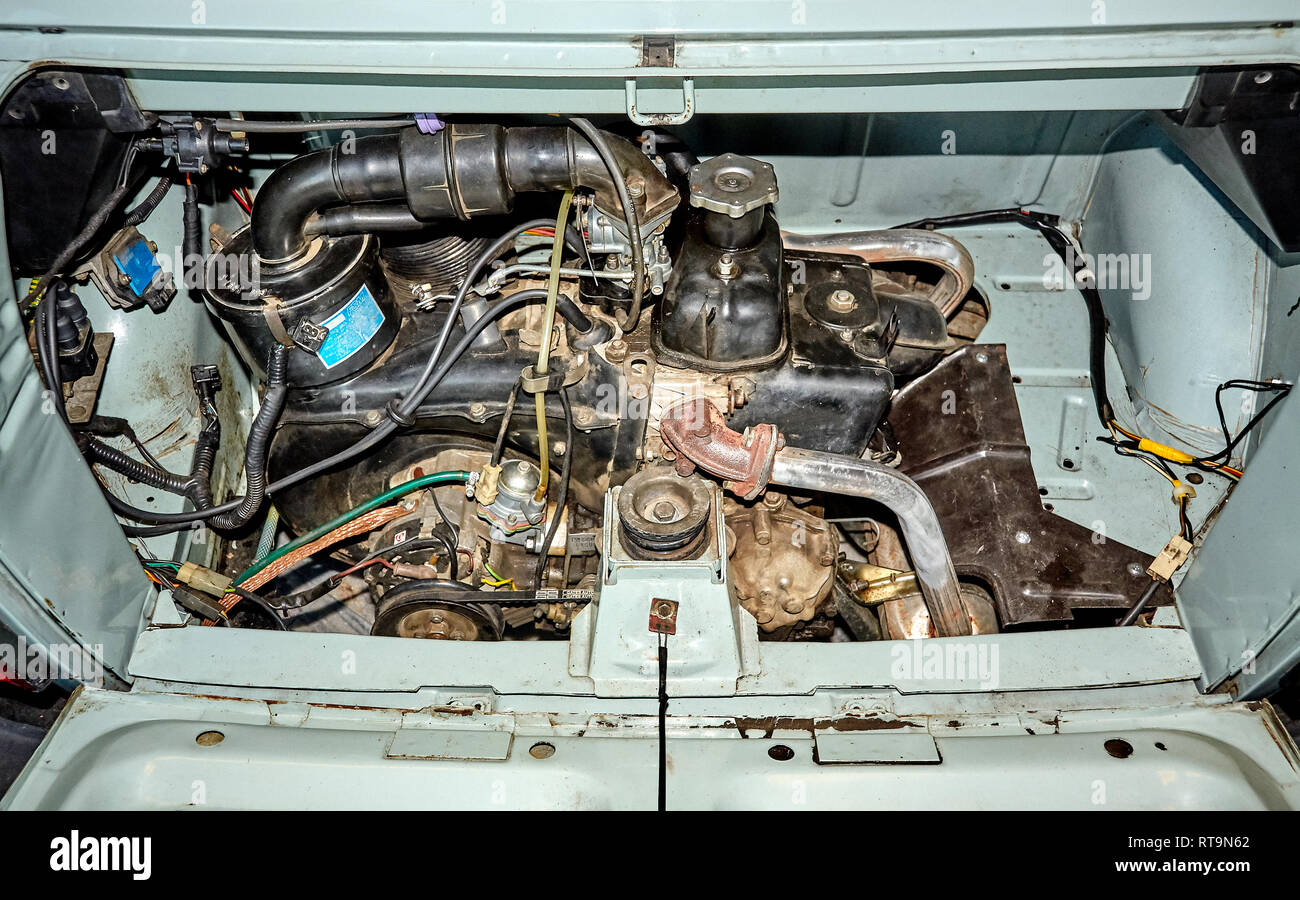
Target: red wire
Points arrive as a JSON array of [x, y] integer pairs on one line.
[[241, 201]]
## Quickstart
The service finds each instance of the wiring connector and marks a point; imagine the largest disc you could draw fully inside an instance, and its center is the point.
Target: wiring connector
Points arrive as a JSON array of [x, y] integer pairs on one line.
[[204, 579], [202, 606], [1169, 559], [485, 486]]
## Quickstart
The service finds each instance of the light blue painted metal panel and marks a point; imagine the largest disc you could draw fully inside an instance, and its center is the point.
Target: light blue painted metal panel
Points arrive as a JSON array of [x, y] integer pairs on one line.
[[496, 95], [344, 662], [1241, 598], [140, 750], [148, 381], [871, 171], [766, 37], [67, 572], [66, 575], [1180, 270]]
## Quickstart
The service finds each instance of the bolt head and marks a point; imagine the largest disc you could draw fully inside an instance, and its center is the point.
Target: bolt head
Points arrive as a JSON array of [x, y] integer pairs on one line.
[[664, 511]]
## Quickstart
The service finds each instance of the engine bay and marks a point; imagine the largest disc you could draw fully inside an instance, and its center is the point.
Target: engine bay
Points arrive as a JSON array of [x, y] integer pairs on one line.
[[478, 379]]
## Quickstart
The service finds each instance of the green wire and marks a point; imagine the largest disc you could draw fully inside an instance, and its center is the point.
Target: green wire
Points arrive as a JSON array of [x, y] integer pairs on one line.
[[414, 484]]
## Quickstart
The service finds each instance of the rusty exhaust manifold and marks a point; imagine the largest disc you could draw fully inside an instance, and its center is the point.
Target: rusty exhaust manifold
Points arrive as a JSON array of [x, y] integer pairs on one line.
[[747, 463]]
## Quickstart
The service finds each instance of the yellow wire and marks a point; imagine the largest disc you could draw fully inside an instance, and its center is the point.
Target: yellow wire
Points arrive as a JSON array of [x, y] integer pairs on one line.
[[496, 580], [544, 352], [1169, 454]]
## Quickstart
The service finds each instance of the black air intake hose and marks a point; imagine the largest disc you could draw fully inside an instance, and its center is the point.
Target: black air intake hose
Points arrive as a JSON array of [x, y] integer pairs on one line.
[[461, 172]]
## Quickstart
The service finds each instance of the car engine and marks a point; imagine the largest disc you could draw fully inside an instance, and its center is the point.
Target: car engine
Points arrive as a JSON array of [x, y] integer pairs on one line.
[[505, 368]]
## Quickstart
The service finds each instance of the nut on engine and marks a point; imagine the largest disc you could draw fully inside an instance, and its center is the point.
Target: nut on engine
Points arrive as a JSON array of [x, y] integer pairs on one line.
[[782, 559]]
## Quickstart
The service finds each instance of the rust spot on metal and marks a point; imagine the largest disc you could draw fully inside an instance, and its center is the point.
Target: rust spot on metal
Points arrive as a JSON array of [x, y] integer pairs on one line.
[[866, 723], [1279, 736], [769, 725]]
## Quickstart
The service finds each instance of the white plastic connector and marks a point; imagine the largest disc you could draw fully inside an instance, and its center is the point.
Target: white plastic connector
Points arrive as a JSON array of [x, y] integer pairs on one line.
[[204, 579], [1169, 559]]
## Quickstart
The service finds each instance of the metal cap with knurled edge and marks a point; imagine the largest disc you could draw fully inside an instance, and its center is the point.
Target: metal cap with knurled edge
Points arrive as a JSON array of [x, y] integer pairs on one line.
[[732, 185]]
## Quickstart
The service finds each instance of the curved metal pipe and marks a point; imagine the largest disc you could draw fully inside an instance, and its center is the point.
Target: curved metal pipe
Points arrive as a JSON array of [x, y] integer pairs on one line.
[[749, 462], [833, 473], [900, 244]]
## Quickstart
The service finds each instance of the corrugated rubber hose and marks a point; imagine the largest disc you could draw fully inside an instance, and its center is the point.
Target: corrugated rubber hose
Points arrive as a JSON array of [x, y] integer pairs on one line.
[[259, 442]]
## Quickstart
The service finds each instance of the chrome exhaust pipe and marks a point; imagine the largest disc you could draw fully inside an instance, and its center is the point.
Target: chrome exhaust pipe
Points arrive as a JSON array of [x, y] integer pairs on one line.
[[899, 245], [748, 463]]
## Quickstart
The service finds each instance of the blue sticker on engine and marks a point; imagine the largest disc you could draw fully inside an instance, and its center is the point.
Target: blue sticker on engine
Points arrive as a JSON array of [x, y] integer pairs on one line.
[[351, 328]]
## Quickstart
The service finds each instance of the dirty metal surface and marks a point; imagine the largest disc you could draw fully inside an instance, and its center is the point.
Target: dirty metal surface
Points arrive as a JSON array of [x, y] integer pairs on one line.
[[961, 437], [139, 750], [80, 397]]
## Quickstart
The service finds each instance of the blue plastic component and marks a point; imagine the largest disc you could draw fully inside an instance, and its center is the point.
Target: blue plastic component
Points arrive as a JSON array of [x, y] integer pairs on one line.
[[137, 262]]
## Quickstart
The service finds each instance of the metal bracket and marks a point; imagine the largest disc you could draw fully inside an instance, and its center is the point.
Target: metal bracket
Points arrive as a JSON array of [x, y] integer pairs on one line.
[[658, 52], [643, 118], [570, 372], [872, 585]]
